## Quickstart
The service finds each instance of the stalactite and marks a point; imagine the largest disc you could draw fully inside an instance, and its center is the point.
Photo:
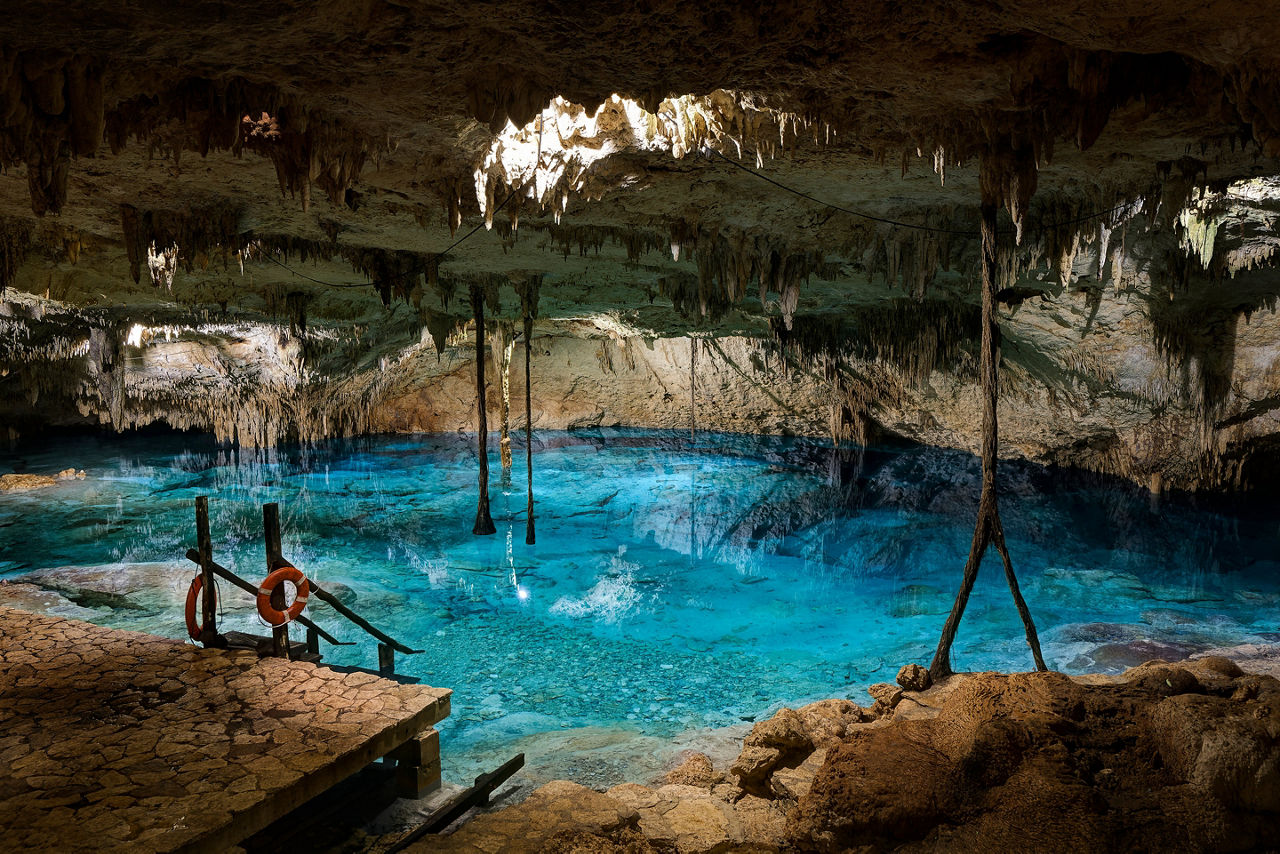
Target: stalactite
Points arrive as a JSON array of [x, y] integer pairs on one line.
[[53, 108], [192, 236], [988, 528], [15, 238], [501, 343], [296, 305], [528, 291], [440, 327], [917, 338], [484, 522]]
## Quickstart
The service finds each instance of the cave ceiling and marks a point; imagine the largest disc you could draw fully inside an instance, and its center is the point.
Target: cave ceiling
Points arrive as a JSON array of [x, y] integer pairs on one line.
[[297, 146]]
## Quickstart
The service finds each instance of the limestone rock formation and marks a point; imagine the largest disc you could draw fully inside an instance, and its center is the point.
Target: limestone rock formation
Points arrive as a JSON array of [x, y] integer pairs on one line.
[[1171, 756], [24, 482], [747, 220], [913, 677], [1164, 757]]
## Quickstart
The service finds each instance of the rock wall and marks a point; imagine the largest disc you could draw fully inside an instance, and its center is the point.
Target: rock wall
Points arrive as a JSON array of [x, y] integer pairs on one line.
[[1111, 373]]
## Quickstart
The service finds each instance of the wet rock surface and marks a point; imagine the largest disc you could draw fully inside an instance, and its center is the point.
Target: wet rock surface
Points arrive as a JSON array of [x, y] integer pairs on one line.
[[1165, 757], [1182, 756], [25, 482]]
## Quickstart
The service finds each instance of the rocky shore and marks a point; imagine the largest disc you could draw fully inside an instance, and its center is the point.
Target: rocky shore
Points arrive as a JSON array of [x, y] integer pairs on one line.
[[1166, 756]]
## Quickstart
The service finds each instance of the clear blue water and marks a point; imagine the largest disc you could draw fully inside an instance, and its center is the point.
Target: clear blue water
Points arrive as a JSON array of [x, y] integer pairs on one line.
[[675, 585]]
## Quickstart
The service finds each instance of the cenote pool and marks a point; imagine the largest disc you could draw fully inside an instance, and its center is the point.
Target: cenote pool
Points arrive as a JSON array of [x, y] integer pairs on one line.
[[676, 585]]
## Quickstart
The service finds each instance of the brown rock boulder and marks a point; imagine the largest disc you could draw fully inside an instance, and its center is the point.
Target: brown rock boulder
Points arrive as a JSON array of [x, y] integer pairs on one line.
[[913, 677], [763, 824], [780, 740], [1038, 808], [697, 770], [754, 765], [794, 783], [784, 731], [886, 697], [1230, 750], [886, 784], [829, 721], [1039, 762]]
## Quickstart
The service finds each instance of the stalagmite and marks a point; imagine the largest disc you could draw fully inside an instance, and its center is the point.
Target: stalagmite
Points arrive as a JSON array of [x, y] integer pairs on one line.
[[484, 522], [988, 528], [501, 343]]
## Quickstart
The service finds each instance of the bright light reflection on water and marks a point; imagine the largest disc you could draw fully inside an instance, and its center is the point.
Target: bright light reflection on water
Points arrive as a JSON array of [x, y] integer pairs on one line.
[[674, 585]]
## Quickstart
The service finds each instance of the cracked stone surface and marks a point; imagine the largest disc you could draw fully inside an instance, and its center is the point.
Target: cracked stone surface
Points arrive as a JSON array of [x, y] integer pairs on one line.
[[122, 741]]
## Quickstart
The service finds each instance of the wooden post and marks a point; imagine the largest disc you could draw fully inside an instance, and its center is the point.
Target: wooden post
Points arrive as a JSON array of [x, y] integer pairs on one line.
[[271, 527], [209, 599], [386, 659], [313, 641]]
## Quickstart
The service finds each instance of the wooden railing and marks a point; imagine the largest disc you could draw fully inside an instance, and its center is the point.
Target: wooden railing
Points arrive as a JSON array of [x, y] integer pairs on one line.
[[209, 568]]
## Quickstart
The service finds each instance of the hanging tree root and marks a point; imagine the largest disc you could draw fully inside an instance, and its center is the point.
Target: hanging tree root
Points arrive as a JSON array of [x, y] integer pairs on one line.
[[529, 536], [501, 343], [693, 394], [484, 522], [988, 529], [528, 291]]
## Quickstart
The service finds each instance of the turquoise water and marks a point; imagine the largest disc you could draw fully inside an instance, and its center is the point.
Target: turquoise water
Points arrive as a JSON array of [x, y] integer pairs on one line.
[[675, 585]]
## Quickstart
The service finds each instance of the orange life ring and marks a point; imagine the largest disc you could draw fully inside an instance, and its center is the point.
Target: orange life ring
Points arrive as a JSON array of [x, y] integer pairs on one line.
[[284, 572], [194, 629]]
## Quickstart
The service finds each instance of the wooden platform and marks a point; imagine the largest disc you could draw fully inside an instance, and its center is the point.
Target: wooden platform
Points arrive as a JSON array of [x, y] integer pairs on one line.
[[114, 740]]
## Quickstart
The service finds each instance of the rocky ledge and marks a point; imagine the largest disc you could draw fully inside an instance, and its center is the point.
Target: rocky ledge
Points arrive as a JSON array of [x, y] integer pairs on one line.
[[1167, 757]]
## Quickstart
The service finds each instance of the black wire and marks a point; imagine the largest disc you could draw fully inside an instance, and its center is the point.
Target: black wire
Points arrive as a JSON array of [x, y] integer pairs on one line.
[[899, 223], [452, 246], [763, 177], [273, 260]]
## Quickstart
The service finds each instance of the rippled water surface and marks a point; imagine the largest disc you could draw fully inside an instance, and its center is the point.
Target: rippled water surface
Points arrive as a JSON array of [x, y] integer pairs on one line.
[[675, 585]]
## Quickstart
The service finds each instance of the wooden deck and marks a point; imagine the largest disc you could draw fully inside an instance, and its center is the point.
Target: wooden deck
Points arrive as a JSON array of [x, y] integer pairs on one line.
[[113, 740]]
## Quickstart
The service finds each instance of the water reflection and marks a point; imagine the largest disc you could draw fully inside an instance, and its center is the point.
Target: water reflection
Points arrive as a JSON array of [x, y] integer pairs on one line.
[[675, 584]]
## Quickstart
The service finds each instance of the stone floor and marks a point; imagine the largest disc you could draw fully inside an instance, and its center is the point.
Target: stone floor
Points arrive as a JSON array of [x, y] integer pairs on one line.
[[114, 740]]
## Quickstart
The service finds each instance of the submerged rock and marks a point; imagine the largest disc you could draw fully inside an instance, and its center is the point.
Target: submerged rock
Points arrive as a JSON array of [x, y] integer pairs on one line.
[[125, 586], [558, 810], [24, 482], [1112, 657], [31, 597]]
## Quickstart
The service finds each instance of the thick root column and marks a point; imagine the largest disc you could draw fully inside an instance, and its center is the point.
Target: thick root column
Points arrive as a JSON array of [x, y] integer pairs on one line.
[[529, 307], [693, 394], [988, 528], [501, 344], [529, 537], [484, 522]]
